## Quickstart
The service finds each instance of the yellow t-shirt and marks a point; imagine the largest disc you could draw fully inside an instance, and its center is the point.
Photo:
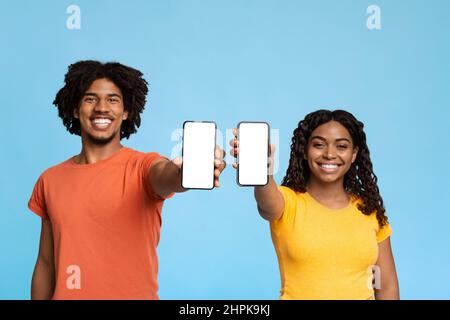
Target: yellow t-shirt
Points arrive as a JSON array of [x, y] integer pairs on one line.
[[325, 253]]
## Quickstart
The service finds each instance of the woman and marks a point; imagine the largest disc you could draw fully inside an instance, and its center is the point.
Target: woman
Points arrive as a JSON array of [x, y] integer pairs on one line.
[[327, 219]]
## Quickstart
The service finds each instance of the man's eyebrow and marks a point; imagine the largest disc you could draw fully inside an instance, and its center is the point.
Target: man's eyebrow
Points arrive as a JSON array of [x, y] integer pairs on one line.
[[108, 95], [323, 139], [90, 94], [114, 95]]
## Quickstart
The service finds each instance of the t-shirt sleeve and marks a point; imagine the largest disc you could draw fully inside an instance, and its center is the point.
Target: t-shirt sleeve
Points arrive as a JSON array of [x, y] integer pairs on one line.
[[384, 233], [37, 200], [290, 206], [145, 167]]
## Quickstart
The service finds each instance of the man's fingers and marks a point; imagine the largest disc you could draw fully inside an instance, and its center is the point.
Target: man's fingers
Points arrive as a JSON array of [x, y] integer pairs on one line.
[[178, 161], [271, 149], [219, 153]]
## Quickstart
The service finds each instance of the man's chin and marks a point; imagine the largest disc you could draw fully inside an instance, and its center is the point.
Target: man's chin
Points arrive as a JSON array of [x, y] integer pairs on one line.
[[99, 141]]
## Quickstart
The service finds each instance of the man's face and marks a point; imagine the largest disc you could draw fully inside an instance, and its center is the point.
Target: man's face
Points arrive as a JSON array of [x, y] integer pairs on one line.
[[101, 112]]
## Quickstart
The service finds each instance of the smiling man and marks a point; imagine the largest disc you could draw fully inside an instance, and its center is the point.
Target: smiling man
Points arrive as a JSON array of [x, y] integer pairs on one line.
[[101, 209]]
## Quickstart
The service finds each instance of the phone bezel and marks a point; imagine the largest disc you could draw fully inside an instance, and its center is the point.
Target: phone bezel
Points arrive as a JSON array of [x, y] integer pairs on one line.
[[268, 155], [182, 153]]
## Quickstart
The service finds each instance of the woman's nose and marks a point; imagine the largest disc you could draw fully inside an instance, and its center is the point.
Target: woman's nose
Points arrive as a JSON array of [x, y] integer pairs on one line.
[[329, 153]]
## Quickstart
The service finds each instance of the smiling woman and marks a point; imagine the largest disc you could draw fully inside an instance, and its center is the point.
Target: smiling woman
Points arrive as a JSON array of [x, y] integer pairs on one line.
[[327, 219]]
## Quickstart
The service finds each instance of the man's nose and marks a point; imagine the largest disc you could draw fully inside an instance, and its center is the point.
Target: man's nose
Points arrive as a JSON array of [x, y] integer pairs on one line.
[[101, 106]]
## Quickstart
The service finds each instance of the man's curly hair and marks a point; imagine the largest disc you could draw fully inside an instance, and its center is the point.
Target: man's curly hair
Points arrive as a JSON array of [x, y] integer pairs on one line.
[[360, 181], [79, 78]]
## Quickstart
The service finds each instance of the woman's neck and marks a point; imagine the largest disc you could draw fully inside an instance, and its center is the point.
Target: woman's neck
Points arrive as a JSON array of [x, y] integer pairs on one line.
[[327, 191]]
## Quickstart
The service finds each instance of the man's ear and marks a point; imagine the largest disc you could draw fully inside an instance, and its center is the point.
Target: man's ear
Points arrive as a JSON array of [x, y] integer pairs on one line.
[[125, 115], [76, 114]]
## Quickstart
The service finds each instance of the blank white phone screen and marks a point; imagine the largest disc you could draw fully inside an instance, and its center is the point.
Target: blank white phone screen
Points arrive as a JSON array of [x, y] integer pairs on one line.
[[198, 155], [253, 153]]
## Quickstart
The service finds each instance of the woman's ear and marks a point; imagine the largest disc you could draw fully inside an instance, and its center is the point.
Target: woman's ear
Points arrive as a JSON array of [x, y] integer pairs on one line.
[[355, 154]]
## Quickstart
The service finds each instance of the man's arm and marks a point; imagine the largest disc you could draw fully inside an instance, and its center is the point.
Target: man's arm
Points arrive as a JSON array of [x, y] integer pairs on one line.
[[389, 283], [164, 176], [43, 281]]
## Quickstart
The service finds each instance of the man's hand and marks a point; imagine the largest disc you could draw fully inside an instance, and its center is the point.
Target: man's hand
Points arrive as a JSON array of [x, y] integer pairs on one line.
[[164, 176], [219, 164]]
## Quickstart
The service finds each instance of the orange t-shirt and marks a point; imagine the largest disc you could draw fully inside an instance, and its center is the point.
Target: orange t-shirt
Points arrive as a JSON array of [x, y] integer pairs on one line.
[[106, 226]]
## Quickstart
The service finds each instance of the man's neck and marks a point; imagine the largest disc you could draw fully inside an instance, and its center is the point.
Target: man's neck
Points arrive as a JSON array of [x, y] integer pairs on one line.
[[92, 153]]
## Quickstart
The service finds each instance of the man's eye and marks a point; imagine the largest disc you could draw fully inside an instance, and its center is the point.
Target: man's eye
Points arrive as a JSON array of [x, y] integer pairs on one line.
[[113, 100], [318, 145], [89, 99], [342, 146]]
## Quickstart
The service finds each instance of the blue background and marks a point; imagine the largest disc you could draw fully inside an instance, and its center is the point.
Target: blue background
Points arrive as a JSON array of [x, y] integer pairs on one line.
[[230, 61]]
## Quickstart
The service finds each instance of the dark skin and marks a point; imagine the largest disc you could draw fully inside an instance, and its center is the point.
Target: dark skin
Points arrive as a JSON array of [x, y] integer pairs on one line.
[[330, 153], [101, 112]]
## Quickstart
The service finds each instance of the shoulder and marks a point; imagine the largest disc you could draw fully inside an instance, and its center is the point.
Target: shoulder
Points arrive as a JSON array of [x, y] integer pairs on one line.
[[382, 232], [55, 170], [294, 205], [141, 155]]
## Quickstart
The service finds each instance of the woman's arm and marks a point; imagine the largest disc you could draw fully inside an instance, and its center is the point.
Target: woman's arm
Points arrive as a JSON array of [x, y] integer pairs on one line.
[[268, 198], [389, 283], [43, 281]]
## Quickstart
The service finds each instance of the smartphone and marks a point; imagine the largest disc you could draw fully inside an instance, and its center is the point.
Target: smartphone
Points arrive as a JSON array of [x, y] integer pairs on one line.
[[253, 156], [199, 142]]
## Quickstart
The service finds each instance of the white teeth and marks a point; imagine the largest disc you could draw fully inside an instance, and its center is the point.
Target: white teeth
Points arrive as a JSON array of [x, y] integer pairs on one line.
[[102, 121], [329, 166]]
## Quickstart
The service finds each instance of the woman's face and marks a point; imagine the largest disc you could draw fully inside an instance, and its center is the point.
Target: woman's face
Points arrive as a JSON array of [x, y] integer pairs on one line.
[[330, 152]]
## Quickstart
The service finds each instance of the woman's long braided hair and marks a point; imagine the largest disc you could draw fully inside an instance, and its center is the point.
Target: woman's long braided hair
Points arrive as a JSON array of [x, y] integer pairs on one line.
[[360, 181]]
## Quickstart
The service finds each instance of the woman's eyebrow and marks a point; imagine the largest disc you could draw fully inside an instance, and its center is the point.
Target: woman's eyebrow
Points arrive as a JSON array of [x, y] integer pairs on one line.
[[343, 139], [318, 137], [323, 139]]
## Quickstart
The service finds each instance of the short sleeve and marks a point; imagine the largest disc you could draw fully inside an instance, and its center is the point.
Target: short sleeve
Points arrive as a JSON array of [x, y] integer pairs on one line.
[[384, 233], [147, 161], [37, 200], [290, 205]]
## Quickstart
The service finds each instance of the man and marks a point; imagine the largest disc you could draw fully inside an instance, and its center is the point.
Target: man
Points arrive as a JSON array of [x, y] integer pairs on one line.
[[101, 209]]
